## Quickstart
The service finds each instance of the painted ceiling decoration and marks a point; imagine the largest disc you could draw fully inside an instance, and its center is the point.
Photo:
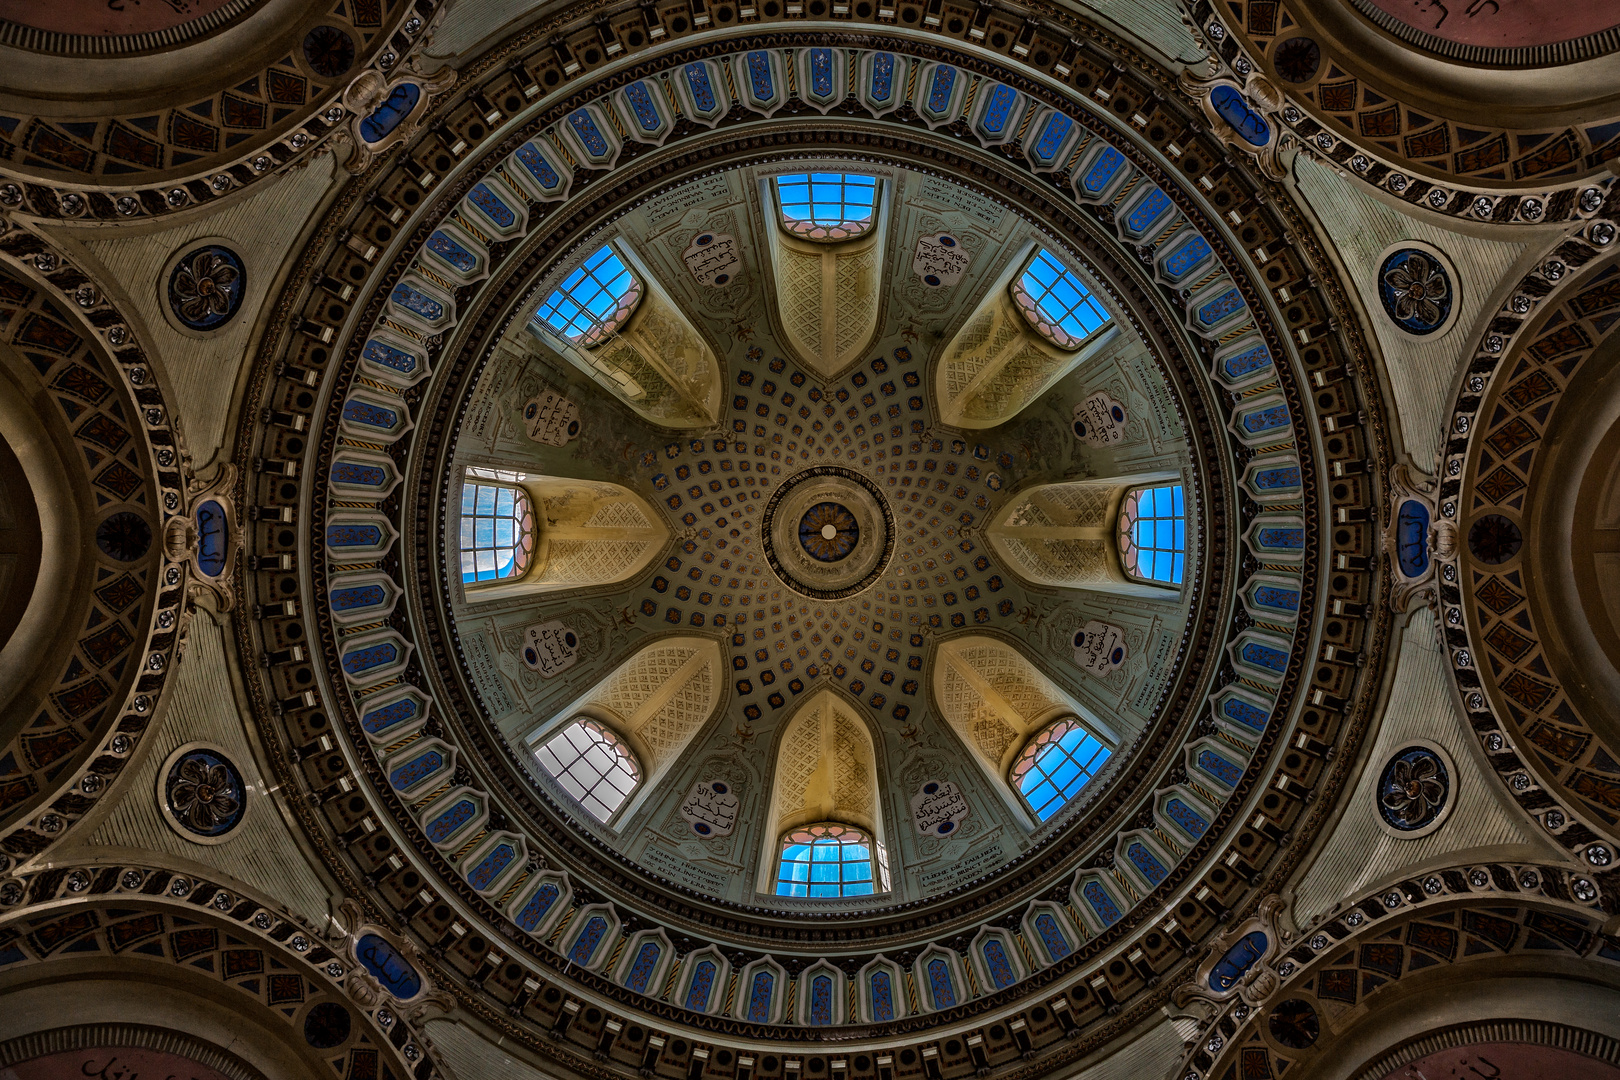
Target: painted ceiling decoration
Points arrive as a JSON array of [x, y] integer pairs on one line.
[[805, 541]]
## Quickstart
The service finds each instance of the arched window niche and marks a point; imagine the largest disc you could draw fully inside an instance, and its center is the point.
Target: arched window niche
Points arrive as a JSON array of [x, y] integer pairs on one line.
[[610, 318], [1037, 744], [826, 837], [1088, 534], [827, 257], [522, 534], [1039, 321], [608, 751]]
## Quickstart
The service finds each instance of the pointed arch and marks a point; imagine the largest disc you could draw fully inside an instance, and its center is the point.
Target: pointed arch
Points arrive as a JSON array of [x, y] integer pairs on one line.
[[609, 317], [585, 532], [999, 362], [941, 983], [826, 771], [880, 991], [656, 701], [998, 703], [701, 982], [822, 998], [827, 293], [1069, 535]]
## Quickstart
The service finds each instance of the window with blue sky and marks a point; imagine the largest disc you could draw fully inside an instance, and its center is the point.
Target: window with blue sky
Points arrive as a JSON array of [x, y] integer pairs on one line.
[[497, 532], [593, 765], [594, 301], [831, 860], [1057, 303], [1153, 534], [827, 206], [1055, 765]]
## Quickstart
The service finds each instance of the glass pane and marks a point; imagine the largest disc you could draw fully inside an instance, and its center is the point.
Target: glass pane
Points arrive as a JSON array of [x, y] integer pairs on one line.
[[1057, 303], [593, 301], [497, 531], [1153, 534], [592, 765], [827, 206], [1051, 771]]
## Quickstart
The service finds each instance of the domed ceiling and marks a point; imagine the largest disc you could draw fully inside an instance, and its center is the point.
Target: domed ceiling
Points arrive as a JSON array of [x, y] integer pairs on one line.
[[817, 541]]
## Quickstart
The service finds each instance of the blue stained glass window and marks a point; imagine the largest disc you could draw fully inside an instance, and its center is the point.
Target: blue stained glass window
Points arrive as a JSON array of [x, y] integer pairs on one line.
[[593, 765], [826, 860], [1153, 534], [1057, 303], [827, 206], [1055, 765], [497, 532], [594, 301]]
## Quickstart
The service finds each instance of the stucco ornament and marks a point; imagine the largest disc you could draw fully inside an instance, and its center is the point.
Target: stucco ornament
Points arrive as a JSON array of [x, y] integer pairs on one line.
[[383, 111], [1416, 535], [1240, 964], [1243, 107], [1418, 285], [390, 967]]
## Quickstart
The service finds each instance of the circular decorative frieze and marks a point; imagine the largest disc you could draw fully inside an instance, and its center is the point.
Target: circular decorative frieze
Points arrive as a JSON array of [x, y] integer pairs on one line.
[[125, 536], [1494, 539], [202, 793], [829, 532], [1416, 790], [203, 287], [1417, 287]]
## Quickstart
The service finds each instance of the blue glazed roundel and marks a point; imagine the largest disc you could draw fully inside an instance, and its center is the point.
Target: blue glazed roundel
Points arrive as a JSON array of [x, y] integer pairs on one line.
[[205, 287], [1416, 291], [205, 793], [213, 536], [1413, 789], [1412, 538], [1231, 106], [388, 966]]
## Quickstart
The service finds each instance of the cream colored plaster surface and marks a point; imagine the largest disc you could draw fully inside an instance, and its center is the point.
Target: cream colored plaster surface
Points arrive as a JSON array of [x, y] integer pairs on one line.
[[205, 372], [1152, 1056], [1359, 854], [1421, 371], [263, 853], [465, 1054]]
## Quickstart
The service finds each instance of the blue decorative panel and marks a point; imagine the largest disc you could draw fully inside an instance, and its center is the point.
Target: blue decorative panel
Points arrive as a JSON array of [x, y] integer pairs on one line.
[[355, 474], [492, 206], [445, 824], [357, 597], [365, 413], [388, 966], [385, 355], [1053, 134], [491, 866], [1412, 538], [534, 912], [939, 89], [761, 80], [1057, 946], [366, 658], [998, 110], [1101, 903], [882, 84], [1231, 106], [641, 971], [452, 251], [759, 997], [590, 136], [382, 120], [384, 718], [1217, 310], [1246, 713], [213, 538], [590, 937], [1185, 816], [1264, 421], [821, 1001], [821, 72], [1218, 767], [996, 963], [1186, 257], [538, 166], [1264, 656], [882, 994], [640, 97], [416, 301], [1148, 209], [1242, 956], [1282, 477], [697, 81], [940, 987], [701, 986], [408, 775], [1276, 598], [1102, 172], [1240, 366], [1145, 861], [1277, 537]]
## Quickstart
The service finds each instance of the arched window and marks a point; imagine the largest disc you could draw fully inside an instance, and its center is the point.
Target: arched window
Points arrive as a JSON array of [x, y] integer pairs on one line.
[[1153, 534], [497, 532], [1057, 303], [593, 765], [594, 301], [831, 860], [827, 206], [1055, 765]]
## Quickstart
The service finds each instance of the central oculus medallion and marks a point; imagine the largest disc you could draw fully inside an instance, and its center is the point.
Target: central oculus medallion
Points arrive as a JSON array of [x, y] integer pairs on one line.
[[828, 532]]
